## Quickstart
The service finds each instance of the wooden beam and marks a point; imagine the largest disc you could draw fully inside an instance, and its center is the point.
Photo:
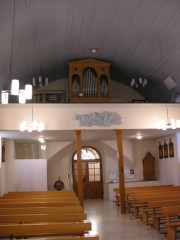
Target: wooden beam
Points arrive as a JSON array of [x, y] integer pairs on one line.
[[121, 171], [79, 163]]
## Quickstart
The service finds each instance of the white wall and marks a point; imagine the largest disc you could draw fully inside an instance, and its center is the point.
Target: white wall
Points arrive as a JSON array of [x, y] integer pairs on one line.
[[169, 168], [141, 147], [59, 164], [123, 93], [63, 116], [3, 178], [22, 175], [28, 175]]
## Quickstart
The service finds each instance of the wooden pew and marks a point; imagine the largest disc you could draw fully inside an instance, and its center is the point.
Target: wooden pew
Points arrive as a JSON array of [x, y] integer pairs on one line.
[[154, 211], [136, 190], [38, 204], [71, 238], [41, 210], [44, 229], [44, 193], [42, 221], [38, 199], [140, 200], [48, 197], [172, 227], [35, 218], [143, 204]]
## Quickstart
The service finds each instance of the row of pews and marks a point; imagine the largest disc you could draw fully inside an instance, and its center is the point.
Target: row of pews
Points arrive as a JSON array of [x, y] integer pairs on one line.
[[158, 206], [55, 215]]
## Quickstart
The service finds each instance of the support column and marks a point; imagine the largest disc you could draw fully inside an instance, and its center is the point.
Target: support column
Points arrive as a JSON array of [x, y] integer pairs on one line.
[[121, 171], [79, 164]]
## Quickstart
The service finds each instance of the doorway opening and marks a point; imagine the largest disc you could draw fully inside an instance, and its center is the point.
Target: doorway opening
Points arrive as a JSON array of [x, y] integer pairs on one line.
[[91, 172]]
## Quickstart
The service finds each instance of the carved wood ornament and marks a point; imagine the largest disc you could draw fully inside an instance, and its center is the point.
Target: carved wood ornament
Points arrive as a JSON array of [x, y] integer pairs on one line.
[[149, 172]]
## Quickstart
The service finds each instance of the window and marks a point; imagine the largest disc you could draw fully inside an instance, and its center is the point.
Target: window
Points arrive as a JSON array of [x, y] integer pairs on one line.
[[88, 153]]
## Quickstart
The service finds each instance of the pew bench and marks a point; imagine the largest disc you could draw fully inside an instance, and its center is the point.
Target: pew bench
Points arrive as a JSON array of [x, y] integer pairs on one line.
[[35, 218], [44, 229], [71, 238], [41, 210], [63, 192], [38, 204], [141, 201], [153, 205], [143, 189], [31, 196], [159, 218], [172, 226], [39, 199]]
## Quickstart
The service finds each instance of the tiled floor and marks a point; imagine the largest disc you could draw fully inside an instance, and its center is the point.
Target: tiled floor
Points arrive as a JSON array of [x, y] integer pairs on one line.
[[110, 224]]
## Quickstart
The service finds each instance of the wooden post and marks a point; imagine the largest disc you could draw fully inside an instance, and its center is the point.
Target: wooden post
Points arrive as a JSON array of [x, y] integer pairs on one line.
[[79, 164], [121, 171]]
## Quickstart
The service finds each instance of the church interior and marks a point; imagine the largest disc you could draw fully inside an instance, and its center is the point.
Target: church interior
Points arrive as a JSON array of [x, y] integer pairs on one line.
[[90, 99]]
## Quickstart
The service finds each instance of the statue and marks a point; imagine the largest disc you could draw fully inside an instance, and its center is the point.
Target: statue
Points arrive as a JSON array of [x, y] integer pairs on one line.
[[59, 185]]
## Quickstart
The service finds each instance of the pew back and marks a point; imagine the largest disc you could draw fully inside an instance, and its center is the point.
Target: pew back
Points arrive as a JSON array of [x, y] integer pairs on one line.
[[44, 229], [41, 210], [33, 218]]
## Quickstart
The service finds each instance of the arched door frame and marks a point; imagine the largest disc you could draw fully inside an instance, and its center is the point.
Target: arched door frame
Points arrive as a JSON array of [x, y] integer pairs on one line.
[[92, 174]]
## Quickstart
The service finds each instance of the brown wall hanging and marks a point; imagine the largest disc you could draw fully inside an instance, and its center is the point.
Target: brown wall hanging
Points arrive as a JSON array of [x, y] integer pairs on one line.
[[3, 152], [160, 150], [165, 147], [171, 149]]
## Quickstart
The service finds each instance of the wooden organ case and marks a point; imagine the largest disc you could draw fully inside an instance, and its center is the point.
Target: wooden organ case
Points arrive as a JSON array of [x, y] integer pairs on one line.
[[89, 81]]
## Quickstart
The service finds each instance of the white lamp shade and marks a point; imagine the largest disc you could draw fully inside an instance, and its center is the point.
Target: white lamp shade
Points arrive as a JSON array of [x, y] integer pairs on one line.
[[178, 123], [23, 126], [35, 125], [41, 140], [28, 91], [22, 96], [40, 127], [139, 136], [43, 147], [46, 81], [15, 87], [173, 123], [140, 80], [4, 97], [33, 81]]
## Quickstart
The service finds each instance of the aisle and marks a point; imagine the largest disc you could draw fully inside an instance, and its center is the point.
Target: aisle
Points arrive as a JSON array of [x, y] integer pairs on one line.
[[110, 224]]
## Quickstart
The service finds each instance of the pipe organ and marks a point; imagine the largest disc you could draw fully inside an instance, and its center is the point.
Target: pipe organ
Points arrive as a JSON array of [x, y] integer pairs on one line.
[[89, 81]]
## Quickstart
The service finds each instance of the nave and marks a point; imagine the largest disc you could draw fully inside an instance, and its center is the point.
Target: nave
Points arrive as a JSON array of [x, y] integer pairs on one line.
[[110, 224]]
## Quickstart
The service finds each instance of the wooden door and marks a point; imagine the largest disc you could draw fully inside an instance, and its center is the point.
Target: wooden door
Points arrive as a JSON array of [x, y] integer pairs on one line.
[[92, 178]]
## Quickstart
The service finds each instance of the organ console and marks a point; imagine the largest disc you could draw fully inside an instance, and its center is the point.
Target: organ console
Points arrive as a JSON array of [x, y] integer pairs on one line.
[[89, 81]]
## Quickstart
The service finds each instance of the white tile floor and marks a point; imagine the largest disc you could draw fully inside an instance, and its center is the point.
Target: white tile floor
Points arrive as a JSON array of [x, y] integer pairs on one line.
[[110, 224]]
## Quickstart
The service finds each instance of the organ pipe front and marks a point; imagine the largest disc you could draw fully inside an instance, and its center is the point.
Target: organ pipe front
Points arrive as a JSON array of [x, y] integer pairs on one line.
[[89, 81]]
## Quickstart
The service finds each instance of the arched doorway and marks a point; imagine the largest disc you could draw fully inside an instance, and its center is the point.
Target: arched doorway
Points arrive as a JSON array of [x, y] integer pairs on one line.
[[92, 173]]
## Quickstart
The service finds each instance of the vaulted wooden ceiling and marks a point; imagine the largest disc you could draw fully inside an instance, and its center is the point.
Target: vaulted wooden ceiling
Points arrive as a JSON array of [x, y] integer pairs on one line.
[[139, 38]]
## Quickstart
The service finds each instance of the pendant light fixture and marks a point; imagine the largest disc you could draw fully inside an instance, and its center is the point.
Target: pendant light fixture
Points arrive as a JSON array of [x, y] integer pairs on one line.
[[167, 123], [33, 125], [138, 82], [24, 94]]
